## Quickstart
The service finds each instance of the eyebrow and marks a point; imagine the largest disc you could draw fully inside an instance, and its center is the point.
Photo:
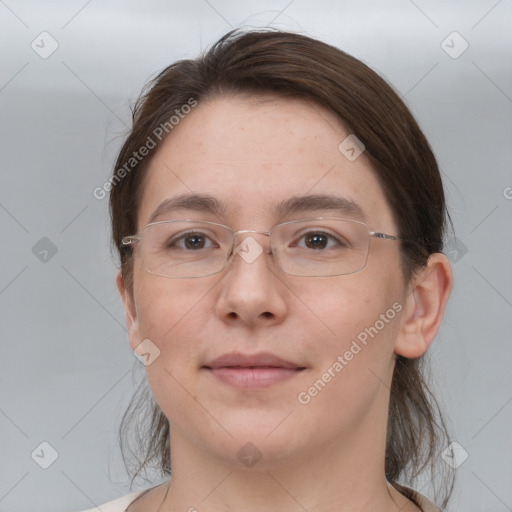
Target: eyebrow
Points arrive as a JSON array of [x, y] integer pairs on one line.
[[204, 203], [194, 202], [320, 202]]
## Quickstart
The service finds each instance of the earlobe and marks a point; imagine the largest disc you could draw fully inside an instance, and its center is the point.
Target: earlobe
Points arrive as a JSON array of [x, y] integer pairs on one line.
[[132, 323], [424, 307]]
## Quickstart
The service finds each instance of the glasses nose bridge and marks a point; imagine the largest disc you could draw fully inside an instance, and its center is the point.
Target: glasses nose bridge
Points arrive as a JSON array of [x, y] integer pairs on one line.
[[238, 240], [251, 231], [246, 231]]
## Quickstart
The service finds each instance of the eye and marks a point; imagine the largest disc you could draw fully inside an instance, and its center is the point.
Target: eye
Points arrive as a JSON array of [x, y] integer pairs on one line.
[[318, 240], [192, 241]]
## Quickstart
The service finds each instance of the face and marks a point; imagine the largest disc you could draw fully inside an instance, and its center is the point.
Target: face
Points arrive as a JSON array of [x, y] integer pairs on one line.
[[336, 334]]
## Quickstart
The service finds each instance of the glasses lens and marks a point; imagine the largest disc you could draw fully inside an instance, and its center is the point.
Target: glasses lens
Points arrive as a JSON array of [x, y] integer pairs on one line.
[[321, 247], [313, 247], [185, 248]]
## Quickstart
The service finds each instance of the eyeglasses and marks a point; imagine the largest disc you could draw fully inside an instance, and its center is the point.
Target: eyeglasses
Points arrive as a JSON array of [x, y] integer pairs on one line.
[[318, 247]]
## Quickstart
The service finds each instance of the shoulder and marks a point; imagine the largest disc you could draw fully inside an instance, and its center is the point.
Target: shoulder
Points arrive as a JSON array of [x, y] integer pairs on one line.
[[418, 499], [117, 505]]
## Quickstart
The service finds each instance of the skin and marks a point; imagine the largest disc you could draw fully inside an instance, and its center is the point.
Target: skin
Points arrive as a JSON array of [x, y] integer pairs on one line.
[[250, 153]]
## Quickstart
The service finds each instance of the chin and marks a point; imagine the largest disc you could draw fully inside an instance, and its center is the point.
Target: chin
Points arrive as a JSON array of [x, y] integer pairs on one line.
[[257, 439]]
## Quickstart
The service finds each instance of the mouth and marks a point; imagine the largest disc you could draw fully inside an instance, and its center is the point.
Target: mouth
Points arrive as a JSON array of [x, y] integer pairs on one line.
[[252, 371]]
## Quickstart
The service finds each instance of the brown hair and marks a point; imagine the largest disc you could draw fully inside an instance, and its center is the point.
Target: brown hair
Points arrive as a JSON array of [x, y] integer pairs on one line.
[[293, 65]]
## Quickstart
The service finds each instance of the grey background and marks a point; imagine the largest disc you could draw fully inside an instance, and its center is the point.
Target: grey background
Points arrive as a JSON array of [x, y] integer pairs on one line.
[[66, 365]]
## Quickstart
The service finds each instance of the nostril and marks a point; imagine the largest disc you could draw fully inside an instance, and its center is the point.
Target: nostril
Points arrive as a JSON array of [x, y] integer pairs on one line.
[[267, 314]]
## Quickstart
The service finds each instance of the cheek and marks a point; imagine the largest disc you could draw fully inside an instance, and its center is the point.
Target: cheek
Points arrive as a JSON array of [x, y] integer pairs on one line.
[[171, 314], [346, 305], [353, 353], [354, 324]]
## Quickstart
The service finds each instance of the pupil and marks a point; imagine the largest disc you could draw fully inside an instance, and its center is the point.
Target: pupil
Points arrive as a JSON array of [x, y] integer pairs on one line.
[[194, 242], [316, 241]]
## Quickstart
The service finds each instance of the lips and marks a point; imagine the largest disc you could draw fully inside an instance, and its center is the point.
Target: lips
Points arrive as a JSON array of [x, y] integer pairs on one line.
[[252, 371], [263, 360]]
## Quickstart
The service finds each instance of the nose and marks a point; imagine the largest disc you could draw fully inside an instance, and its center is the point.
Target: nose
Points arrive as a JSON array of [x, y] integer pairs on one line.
[[252, 291]]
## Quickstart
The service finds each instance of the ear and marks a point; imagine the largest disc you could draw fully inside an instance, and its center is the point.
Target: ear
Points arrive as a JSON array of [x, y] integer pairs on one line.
[[131, 313], [425, 303]]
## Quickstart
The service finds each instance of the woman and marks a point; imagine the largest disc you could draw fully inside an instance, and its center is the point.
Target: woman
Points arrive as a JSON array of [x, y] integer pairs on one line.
[[279, 217]]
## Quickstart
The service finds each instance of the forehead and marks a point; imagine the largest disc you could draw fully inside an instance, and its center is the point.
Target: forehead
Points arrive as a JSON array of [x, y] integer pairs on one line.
[[252, 154]]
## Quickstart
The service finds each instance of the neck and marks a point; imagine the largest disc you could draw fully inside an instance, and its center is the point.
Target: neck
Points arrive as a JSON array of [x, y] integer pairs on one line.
[[340, 475]]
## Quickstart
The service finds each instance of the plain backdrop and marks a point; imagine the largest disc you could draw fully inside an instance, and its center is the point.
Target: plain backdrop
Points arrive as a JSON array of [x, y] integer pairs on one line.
[[69, 71]]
